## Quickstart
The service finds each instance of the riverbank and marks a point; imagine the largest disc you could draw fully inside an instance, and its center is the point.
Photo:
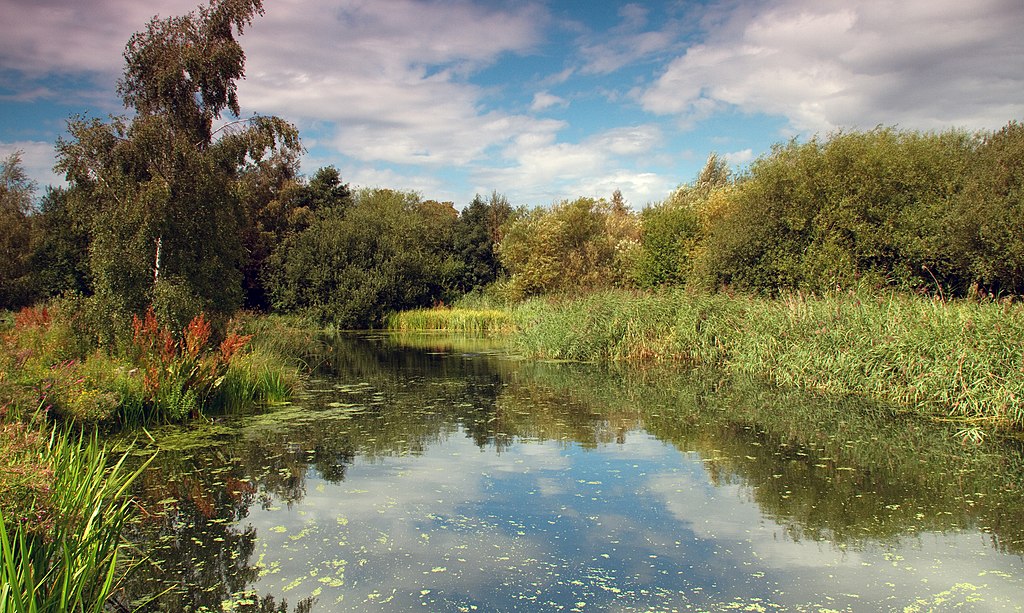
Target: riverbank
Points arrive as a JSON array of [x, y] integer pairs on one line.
[[150, 373], [63, 495], [959, 361]]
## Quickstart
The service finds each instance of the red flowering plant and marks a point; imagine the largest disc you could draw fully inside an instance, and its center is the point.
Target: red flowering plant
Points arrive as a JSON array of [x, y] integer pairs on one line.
[[180, 372]]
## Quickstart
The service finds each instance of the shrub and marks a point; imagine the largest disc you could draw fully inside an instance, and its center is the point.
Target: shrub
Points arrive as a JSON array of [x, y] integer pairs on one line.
[[578, 244], [385, 252], [855, 208], [180, 374]]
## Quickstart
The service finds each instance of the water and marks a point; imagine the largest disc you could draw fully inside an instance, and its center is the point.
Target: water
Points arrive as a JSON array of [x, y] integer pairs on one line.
[[422, 474]]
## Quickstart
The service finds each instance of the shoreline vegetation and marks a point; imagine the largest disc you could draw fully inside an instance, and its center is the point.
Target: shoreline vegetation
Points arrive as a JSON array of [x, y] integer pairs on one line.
[[959, 361], [64, 495]]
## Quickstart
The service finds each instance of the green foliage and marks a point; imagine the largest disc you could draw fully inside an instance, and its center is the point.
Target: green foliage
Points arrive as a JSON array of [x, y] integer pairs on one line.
[[573, 245], [278, 203], [186, 68], [60, 261], [671, 231], [179, 373], [161, 193], [324, 191], [267, 192], [386, 251], [61, 553], [857, 208], [160, 374], [18, 237], [956, 360], [459, 320], [476, 237], [984, 226], [668, 235]]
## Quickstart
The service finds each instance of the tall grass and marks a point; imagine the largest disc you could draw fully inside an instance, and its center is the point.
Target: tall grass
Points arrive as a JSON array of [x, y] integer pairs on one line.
[[461, 320], [64, 557], [960, 361], [258, 377]]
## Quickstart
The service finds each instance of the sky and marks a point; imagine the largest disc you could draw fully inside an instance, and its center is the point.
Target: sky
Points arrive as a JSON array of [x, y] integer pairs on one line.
[[543, 100]]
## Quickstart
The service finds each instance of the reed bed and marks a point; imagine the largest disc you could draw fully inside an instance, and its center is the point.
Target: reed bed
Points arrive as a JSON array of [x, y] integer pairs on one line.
[[459, 320], [962, 361]]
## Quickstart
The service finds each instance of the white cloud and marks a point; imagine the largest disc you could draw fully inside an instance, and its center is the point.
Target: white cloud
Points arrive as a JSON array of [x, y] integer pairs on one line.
[[638, 188], [629, 42], [923, 64], [427, 185], [545, 100], [632, 140], [390, 79], [543, 170], [37, 159], [736, 158], [57, 36], [396, 93]]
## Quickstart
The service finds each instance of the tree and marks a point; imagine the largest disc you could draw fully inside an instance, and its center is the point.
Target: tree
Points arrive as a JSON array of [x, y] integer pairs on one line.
[[273, 197], [476, 239], [573, 245], [856, 208], [325, 190], [160, 191], [987, 214], [671, 231], [60, 261], [388, 250], [18, 235]]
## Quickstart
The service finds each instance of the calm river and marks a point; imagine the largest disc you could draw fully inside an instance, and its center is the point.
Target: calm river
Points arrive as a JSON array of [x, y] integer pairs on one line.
[[430, 474]]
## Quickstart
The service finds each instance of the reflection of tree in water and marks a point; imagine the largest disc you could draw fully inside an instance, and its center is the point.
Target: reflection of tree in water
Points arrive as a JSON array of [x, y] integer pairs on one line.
[[197, 553], [842, 470], [827, 470]]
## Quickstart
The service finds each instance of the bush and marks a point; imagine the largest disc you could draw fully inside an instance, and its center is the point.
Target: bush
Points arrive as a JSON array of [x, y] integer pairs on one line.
[[855, 208], [579, 244], [984, 227], [385, 252]]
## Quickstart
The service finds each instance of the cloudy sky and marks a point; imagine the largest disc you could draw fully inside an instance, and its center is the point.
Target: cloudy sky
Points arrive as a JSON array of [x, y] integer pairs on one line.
[[544, 99]]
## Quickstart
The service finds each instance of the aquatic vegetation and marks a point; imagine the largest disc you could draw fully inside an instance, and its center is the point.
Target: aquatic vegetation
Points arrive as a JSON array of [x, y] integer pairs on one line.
[[950, 360], [60, 551], [457, 320]]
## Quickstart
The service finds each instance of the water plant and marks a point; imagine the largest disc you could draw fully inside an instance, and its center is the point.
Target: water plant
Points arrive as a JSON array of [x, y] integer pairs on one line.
[[60, 547], [955, 360], [462, 320]]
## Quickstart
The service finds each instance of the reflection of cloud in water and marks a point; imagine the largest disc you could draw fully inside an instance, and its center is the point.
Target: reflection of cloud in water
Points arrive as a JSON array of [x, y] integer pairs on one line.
[[627, 527], [409, 537], [937, 567], [638, 446]]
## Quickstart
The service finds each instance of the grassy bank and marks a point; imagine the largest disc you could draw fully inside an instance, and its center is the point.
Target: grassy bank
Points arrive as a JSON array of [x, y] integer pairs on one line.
[[63, 499], [63, 503], [152, 375], [960, 360]]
